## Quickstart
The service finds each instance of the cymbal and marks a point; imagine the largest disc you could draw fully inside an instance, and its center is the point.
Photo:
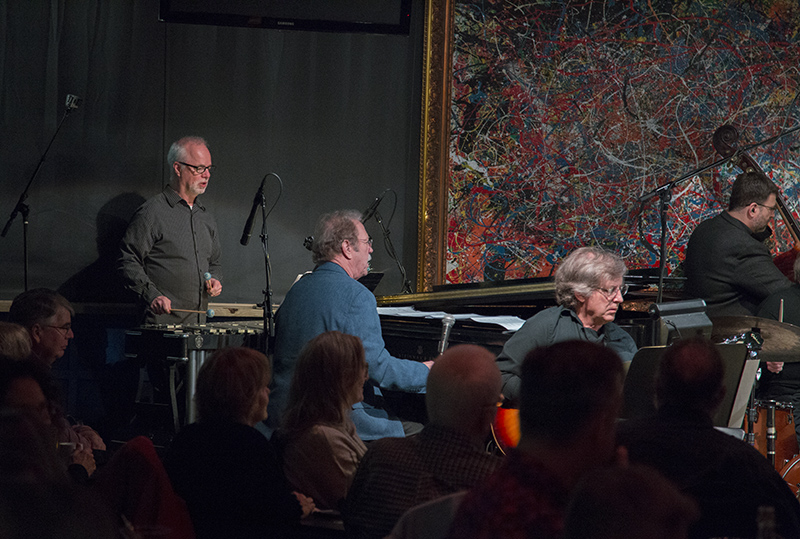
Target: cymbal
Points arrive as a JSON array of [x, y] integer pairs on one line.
[[781, 340]]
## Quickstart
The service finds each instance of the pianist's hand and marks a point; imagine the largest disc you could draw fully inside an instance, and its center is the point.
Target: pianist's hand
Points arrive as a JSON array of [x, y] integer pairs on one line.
[[428, 364]]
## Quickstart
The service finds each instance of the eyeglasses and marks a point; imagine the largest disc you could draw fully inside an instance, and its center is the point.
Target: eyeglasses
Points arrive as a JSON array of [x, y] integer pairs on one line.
[[770, 208], [610, 293], [66, 328], [368, 241], [198, 169]]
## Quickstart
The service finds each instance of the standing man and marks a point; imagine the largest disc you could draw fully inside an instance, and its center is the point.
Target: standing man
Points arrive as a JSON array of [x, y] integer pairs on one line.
[[727, 263], [330, 298], [172, 241], [589, 289]]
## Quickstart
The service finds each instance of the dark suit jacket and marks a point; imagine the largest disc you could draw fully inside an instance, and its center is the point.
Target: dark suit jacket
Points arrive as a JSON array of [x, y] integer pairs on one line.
[[729, 268]]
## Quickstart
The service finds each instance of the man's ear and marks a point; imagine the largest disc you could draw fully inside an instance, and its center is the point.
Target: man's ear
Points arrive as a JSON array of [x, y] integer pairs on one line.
[[347, 249], [176, 167], [36, 333]]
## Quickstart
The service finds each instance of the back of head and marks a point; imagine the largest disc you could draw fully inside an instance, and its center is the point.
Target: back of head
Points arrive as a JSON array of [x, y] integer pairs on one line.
[[229, 382], [584, 270], [15, 341], [750, 187], [690, 375], [633, 502], [329, 371], [463, 389], [37, 306], [331, 230], [564, 386]]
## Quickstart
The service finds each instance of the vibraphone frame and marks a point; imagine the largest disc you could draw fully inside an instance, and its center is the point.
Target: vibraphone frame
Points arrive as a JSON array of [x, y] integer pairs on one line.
[[189, 345]]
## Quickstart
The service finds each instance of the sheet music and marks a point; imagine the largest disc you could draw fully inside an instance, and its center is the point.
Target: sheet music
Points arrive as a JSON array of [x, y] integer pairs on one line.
[[510, 323]]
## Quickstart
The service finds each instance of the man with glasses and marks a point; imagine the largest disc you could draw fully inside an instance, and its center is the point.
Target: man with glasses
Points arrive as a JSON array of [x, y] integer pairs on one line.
[[47, 315], [727, 263], [589, 289], [172, 241], [331, 298]]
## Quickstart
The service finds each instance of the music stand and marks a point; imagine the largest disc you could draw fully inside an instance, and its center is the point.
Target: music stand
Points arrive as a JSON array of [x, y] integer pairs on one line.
[[639, 395], [681, 320]]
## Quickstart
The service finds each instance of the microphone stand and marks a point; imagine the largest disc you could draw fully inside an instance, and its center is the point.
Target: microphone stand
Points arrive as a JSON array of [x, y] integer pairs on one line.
[[387, 242], [260, 200], [269, 319], [23, 208]]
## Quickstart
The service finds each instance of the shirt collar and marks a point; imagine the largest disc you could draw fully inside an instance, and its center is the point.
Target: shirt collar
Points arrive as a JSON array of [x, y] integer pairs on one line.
[[173, 198]]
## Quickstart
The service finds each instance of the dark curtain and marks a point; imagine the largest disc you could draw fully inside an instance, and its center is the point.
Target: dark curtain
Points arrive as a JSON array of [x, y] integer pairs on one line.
[[336, 116]]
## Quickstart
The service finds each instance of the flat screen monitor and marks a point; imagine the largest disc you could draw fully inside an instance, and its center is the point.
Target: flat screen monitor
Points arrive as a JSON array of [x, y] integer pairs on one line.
[[365, 16]]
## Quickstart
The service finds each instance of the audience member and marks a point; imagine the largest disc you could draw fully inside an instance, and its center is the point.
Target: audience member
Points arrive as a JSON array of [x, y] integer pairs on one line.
[[727, 477], [628, 502], [570, 395], [37, 498], [321, 449], [28, 387], [15, 343], [47, 315], [463, 390], [227, 471]]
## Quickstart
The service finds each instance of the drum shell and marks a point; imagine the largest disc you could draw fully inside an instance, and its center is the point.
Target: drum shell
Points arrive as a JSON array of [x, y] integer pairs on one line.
[[786, 446]]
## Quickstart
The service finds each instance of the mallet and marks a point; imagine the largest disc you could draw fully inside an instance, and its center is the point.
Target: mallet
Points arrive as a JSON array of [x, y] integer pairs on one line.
[[209, 313]]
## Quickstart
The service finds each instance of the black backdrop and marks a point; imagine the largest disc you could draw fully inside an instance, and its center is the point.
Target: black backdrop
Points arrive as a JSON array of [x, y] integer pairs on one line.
[[336, 116]]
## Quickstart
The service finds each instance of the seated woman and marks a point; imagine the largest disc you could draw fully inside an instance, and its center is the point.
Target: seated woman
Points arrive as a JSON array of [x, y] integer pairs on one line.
[[321, 449], [225, 469]]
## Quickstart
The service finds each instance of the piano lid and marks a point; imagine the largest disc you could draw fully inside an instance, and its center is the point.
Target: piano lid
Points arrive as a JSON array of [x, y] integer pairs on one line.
[[521, 297], [536, 293]]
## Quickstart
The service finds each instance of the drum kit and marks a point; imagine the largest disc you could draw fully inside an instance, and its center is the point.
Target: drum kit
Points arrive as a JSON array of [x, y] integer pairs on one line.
[[770, 424]]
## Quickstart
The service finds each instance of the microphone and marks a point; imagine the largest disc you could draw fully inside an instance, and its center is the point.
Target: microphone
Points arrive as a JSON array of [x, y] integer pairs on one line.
[[73, 101], [369, 212], [248, 226], [447, 324]]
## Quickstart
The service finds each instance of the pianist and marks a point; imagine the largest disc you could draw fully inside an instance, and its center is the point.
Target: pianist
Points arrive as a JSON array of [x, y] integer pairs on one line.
[[589, 289], [330, 298]]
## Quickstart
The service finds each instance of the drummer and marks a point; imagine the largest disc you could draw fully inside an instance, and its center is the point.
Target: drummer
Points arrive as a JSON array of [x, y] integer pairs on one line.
[[781, 381]]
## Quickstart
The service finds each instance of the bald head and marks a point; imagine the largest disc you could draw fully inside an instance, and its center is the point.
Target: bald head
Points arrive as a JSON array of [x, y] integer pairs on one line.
[[463, 390]]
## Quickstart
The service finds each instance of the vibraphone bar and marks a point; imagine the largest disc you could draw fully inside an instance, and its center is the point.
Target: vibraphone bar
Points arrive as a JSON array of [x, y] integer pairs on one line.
[[189, 345]]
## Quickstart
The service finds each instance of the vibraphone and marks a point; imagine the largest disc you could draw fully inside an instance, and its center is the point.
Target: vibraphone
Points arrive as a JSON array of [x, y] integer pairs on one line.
[[189, 345]]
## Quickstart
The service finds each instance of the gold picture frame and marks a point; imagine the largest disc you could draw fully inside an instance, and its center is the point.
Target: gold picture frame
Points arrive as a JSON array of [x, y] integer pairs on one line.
[[434, 143]]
